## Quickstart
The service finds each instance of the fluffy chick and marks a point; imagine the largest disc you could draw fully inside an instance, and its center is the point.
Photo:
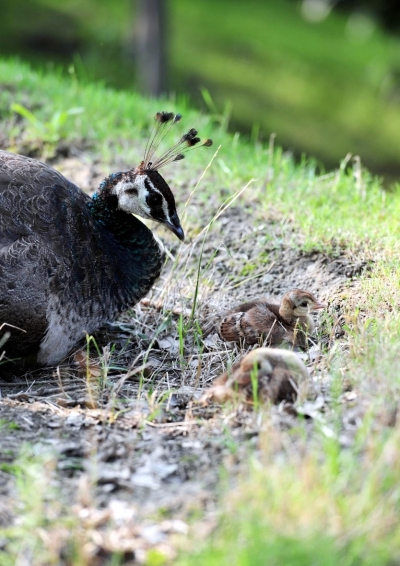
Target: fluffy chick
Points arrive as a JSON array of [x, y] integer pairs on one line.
[[280, 376], [260, 321]]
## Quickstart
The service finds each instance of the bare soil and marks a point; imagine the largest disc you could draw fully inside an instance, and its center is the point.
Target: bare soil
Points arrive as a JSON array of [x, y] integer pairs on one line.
[[132, 451]]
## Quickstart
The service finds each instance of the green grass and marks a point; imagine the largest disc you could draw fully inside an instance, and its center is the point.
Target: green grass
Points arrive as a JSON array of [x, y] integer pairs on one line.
[[318, 505], [49, 530], [330, 209], [318, 499], [306, 499], [324, 88]]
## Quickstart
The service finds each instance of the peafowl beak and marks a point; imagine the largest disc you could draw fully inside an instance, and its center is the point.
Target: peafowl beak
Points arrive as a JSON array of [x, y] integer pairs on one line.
[[175, 226]]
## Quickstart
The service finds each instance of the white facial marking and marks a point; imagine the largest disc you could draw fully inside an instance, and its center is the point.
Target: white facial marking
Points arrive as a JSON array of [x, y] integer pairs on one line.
[[136, 203], [129, 201], [165, 208]]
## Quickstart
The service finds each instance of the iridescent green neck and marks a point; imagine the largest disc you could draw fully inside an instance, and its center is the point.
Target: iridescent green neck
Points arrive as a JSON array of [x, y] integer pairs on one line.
[[136, 256]]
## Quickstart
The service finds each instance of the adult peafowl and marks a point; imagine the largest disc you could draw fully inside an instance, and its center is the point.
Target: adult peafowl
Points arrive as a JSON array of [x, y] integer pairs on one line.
[[68, 262]]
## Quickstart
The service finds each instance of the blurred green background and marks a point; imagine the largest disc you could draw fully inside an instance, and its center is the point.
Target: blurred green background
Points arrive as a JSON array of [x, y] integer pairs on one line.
[[323, 76]]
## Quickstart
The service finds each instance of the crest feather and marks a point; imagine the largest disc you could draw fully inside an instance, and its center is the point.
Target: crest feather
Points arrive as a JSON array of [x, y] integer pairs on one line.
[[163, 122]]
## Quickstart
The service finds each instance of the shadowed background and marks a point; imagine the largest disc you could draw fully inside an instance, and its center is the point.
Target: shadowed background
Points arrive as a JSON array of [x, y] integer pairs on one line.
[[324, 76]]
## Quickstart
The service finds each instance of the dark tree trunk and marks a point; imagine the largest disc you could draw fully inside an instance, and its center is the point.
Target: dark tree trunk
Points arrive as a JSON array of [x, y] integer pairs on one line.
[[151, 58]]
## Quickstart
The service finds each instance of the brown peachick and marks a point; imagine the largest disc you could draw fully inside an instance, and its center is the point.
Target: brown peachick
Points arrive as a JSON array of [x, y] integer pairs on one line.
[[265, 374], [265, 323]]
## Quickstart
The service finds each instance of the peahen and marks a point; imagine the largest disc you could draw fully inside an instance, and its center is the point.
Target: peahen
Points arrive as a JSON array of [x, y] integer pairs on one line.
[[68, 262]]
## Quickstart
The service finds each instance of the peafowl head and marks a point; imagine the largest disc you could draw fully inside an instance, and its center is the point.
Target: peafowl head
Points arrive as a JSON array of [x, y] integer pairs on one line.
[[142, 190], [299, 303]]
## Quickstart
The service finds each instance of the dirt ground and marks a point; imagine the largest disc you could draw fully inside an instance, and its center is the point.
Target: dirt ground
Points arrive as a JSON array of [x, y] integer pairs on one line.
[[132, 452]]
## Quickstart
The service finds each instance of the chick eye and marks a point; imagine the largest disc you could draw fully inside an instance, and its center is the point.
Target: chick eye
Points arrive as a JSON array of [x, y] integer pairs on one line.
[[304, 304], [132, 191]]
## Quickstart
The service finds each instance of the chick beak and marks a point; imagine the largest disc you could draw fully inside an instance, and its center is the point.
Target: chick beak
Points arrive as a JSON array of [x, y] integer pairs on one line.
[[175, 226], [317, 306]]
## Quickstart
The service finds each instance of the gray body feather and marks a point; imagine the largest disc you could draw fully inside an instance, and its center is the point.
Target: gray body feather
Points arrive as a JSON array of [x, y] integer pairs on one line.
[[66, 265]]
